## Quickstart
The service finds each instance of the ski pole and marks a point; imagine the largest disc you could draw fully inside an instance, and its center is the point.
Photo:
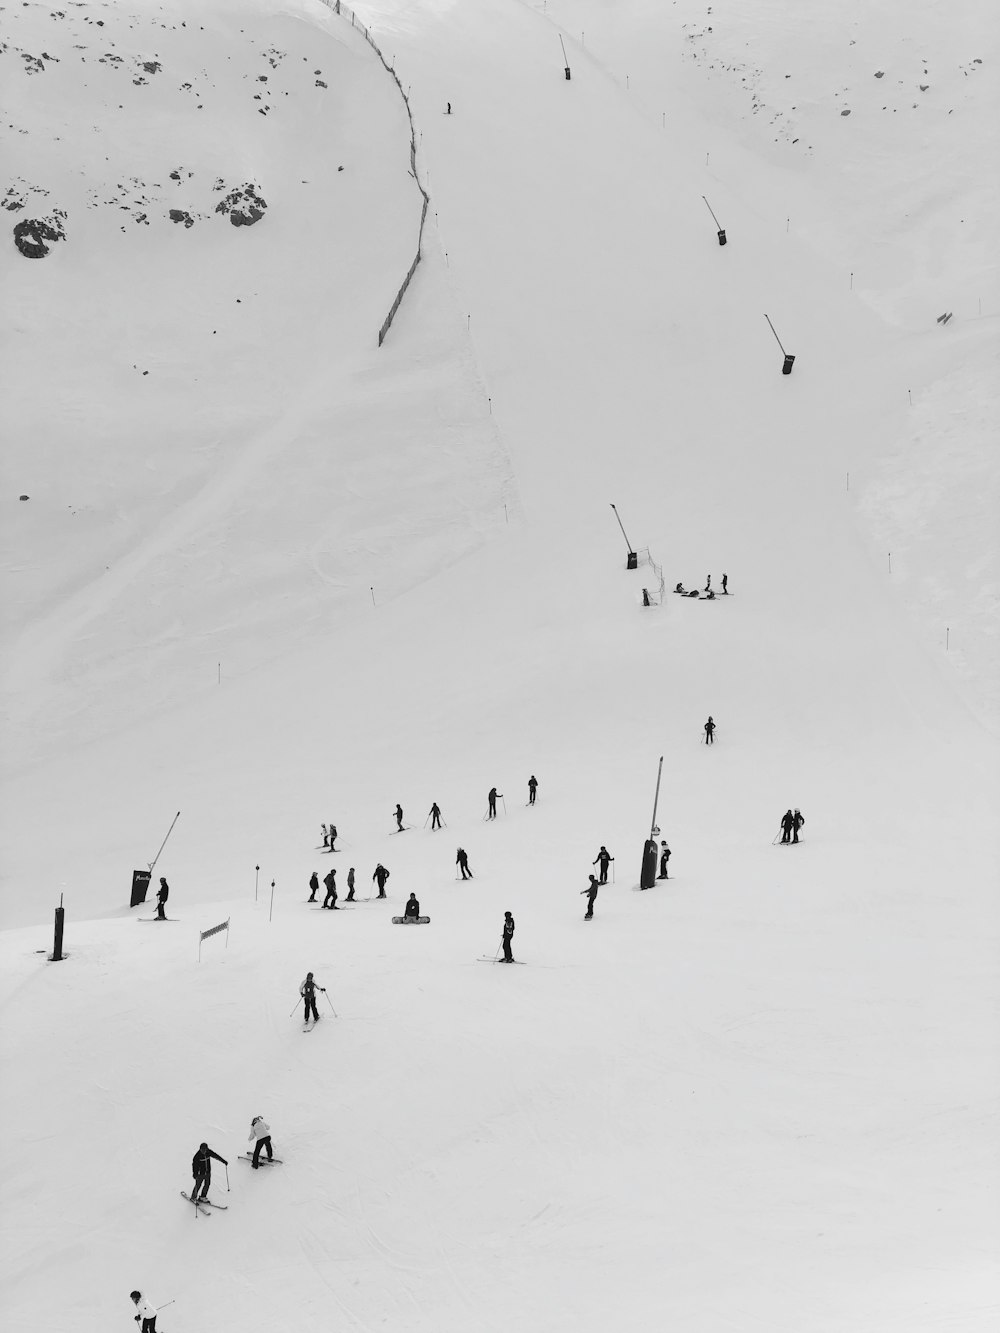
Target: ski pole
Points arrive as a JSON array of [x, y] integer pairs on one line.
[[226, 1165], [612, 870], [504, 799], [330, 1003], [296, 1006], [428, 817]]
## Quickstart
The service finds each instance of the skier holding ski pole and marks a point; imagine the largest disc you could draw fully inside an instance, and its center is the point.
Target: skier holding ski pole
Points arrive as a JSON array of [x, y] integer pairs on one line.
[[146, 1316]]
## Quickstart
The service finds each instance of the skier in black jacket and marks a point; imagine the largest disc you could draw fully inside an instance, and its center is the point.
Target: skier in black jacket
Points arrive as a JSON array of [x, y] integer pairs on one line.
[[381, 875], [308, 991], [664, 858], [350, 886], [313, 887], [798, 819], [604, 858], [162, 894], [201, 1169], [462, 861], [493, 797], [532, 789], [787, 824], [330, 880], [399, 817], [508, 935], [435, 814], [710, 732]]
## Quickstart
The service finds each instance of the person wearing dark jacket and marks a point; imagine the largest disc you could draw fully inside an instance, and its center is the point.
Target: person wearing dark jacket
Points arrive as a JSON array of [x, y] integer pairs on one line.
[[380, 876], [399, 817], [435, 814], [710, 732], [462, 861], [787, 824], [333, 837], [313, 887], [591, 892], [330, 880], [412, 908], [532, 789], [605, 858], [493, 797], [798, 819], [162, 894], [308, 992], [508, 935], [201, 1169], [350, 886]]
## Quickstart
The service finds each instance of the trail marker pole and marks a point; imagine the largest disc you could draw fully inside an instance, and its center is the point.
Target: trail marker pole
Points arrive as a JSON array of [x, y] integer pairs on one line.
[[372, 591], [722, 230], [786, 369], [565, 57], [270, 910], [632, 561], [256, 878], [947, 633]]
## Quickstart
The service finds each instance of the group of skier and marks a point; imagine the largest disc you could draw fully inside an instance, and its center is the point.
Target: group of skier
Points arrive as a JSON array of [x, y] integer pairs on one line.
[[791, 824]]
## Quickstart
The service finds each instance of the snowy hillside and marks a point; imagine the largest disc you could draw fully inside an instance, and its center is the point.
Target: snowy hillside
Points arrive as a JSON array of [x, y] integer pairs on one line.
[[287, 577]]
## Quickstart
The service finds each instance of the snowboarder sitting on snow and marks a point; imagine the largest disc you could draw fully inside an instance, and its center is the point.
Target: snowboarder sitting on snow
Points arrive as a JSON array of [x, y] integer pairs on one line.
[[532, 789], [399, 818], [350, 886], [412, 909], [492, 798], [162, 894], [330, 880], [591, 892], [664, 858], [308, 992], [381, 875], [787, 823], [681, 589], [605, 858], [798, 819], [201, 1169], [260, 1132], [462, 861], [313, 887], [710, 731], [146, 1314], [508, 935]]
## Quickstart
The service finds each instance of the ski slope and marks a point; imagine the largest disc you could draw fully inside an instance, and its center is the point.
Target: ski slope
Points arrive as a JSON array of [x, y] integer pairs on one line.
[[289, 577]]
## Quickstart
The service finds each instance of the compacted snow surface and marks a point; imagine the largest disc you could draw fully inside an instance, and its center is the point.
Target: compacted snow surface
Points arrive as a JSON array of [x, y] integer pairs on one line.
[[269, 574]]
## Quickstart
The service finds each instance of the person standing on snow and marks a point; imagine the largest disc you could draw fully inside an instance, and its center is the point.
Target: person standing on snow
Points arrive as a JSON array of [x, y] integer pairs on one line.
[[508, 935], [260, 1137], [492, 798], [532, 789], [380, 876], [591, 892], [605, 858], [350, 886], [326, 836], [308, 992], [462, 861], [435, 814], [162, 894], [330, 880], [399, 818], [201, 1169], [798, 819], [333, 837], [664, 858], [787, 824], [725, 585], [708, 583], [146, 1316], [313, 887], [710, 731]]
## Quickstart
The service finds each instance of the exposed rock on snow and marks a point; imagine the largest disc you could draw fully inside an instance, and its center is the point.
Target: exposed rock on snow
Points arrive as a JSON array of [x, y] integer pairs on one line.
[[34, 236]]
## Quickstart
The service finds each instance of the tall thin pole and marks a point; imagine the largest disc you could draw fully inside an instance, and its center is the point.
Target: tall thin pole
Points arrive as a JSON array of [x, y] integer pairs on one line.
[[775, 332], [656, 798], [622, 526], [164, 842]]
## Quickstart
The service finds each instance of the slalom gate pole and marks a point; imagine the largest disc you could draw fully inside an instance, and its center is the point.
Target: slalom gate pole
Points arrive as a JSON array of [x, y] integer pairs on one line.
[[330, 1003]]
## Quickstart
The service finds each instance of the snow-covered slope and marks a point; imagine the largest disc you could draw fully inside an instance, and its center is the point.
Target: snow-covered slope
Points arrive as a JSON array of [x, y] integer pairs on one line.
[[759, 1095]]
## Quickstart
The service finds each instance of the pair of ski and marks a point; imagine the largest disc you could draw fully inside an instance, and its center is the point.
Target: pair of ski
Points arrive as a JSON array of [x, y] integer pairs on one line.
[[200, 1204], [500, 960], [262, 1161]]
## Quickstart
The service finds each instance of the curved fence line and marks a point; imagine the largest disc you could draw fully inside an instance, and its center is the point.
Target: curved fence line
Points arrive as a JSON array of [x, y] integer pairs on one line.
[[343, 10]]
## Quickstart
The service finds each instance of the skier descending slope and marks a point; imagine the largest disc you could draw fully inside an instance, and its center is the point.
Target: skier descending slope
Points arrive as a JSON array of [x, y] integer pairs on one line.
[[462, 861], [260, 1137], [399, 817], [434, 814], [308, 992], [146, 1316], [201, 1169], [380, 876]]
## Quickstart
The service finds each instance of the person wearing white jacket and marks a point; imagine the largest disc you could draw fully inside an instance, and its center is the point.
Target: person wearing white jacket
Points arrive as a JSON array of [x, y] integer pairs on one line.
[[260, 1130], [146, 1316]]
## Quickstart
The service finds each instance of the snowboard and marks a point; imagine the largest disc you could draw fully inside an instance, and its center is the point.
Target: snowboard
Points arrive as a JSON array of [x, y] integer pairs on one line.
[[264, 1161], [408, 920]]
